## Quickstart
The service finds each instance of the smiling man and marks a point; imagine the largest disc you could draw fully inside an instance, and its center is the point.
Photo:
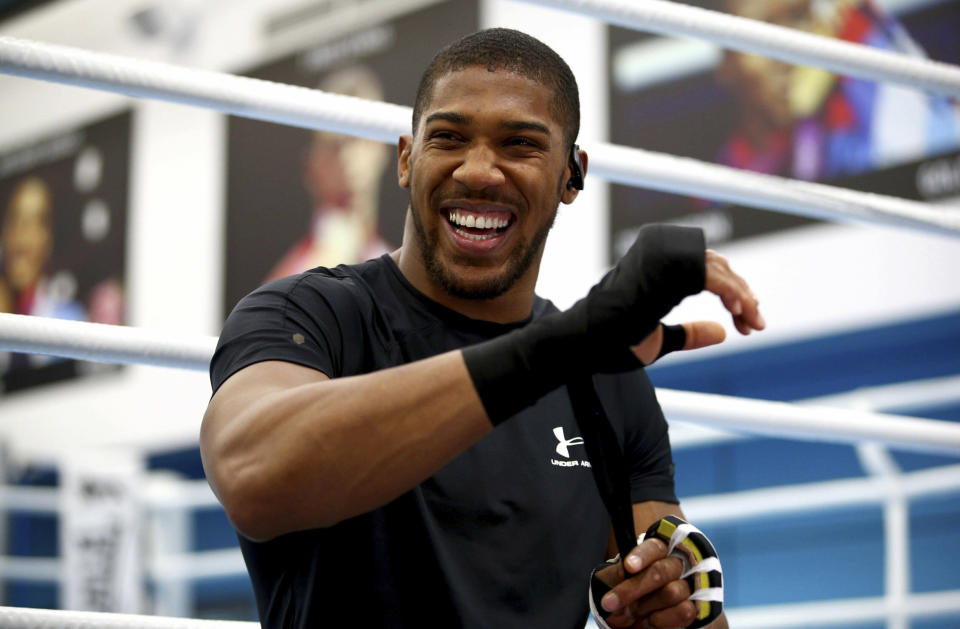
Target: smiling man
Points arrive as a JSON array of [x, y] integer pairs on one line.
[[393, 440]]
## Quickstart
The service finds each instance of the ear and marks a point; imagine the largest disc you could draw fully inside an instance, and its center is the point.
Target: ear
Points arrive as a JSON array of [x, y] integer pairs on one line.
[[404, 146], [569, 194]]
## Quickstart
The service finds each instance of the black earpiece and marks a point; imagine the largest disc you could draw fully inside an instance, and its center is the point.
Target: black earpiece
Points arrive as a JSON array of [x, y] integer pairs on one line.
[[576, 169]]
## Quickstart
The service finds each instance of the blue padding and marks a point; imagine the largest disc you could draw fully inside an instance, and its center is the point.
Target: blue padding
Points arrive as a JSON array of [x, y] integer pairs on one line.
[[816, 557], [33, 535], [34, 595], [185, 461], [913, 461], [212, 530], [760, 462], [934, 543]]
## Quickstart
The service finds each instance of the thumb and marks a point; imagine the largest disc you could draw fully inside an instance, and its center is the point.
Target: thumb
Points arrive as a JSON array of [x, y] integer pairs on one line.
[[703, 334], [696, 334]]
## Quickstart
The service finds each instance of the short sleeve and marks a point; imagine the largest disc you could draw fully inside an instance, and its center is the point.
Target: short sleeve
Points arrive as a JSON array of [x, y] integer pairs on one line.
[[295, 319]]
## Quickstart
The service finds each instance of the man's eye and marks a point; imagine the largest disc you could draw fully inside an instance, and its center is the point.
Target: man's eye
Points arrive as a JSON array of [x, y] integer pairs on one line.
[[523, 145], [443, 136]]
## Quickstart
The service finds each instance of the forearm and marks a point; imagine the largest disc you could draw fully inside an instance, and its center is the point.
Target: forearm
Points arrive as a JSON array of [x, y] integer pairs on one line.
[[325, 450]]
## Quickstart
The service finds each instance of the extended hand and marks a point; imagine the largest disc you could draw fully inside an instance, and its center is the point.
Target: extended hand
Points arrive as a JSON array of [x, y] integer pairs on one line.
[[735, 295]]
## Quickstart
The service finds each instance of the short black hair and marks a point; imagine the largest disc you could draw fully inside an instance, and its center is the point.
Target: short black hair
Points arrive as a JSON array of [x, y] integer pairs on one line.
[[514, 51]]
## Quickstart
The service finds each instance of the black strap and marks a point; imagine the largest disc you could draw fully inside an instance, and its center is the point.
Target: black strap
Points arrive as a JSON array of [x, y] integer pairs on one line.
[[606, 460], [674, 338]]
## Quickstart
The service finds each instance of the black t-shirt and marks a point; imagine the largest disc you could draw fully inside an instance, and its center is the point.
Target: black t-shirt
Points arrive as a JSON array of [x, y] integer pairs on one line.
[[503, 536]]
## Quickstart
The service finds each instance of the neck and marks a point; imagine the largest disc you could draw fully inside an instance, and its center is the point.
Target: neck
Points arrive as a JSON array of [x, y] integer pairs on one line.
[[514, 305]]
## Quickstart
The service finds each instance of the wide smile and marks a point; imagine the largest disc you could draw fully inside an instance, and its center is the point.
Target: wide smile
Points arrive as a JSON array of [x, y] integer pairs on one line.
[[478, 228]]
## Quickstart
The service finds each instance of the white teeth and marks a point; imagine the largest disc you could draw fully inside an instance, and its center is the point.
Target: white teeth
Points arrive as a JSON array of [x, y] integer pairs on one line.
[[475, 236], [477, 222]]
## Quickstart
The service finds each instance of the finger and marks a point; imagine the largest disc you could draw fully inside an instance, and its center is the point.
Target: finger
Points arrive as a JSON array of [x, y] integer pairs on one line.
[[623, 618], [750, 308], [734, 293], [681, 615], [735, 297], [644, 554], [612, 574], [703, 334], [654, 577], [671, 596], [695, 335]]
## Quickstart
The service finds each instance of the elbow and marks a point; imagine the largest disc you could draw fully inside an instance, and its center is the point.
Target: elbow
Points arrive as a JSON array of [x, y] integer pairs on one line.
[[249, 504], [247, 515], [264, 493], [239, 499], [262, 507]]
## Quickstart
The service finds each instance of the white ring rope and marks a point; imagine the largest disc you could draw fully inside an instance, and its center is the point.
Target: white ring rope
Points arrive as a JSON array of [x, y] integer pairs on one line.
[[769, 40], [239, 95], [684, 175], [24, 618], [302, 107], [122, 344], [807, 422], [104, 343]]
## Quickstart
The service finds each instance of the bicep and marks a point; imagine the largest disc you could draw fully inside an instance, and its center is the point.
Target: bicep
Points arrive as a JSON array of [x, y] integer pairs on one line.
[[235, 403], [257, 380]]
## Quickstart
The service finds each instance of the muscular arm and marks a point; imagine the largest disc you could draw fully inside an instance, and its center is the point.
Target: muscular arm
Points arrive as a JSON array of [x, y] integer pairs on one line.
[[285, 448]]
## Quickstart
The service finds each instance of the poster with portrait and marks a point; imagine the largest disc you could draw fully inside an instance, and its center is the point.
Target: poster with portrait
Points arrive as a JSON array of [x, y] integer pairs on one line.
[[63, 237], [690, 98], [297, 199]]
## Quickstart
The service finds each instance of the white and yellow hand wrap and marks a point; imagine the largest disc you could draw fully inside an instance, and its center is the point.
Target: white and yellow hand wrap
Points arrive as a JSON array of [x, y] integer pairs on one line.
[[701, 570]]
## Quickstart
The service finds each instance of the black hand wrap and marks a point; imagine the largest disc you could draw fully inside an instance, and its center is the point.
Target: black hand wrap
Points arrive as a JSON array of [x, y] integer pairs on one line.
[[664, 265], [674, 338]]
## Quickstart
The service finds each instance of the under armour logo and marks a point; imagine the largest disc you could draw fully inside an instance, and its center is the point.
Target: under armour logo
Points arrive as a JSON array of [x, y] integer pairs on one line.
[[562, 449]]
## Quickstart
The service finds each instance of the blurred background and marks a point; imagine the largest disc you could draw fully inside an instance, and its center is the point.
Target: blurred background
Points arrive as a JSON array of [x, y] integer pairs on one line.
[[162, 216]]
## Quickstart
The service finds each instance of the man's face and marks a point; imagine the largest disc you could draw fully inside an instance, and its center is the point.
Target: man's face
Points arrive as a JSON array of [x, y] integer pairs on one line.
[[486, 172], [340, 168], [27, 238]]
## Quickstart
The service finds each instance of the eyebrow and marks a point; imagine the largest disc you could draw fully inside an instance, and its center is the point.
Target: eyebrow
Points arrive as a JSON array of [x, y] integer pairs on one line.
[[446, 116], [513, 125]]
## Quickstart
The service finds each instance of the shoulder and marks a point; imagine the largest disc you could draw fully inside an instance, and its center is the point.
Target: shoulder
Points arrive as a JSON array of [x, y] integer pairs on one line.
[[314, 290], [317, 319], [542, 306]]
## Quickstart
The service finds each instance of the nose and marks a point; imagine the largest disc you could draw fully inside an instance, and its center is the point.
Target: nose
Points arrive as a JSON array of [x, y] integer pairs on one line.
[[479, 169]]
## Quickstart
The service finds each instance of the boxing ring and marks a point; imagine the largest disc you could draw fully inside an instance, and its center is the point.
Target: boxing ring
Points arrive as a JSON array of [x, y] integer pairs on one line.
[[865, 426]]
